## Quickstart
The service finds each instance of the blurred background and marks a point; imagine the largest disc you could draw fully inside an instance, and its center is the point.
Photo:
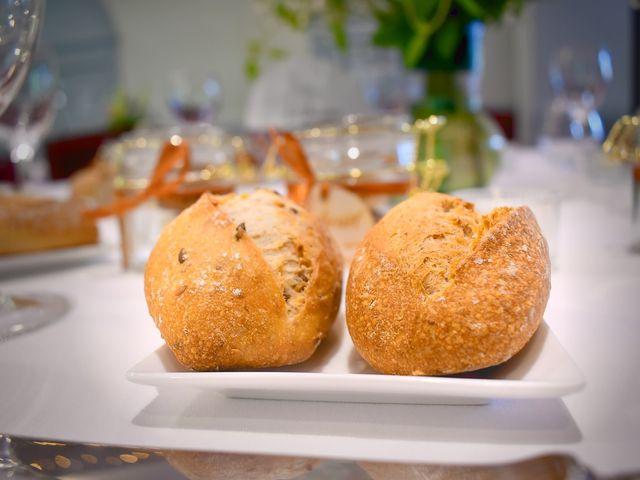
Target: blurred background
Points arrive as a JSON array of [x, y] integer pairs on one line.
[[127, 63], [108, 45]]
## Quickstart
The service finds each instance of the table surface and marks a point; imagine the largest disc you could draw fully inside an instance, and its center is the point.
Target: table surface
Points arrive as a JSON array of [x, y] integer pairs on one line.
[[67, 381]]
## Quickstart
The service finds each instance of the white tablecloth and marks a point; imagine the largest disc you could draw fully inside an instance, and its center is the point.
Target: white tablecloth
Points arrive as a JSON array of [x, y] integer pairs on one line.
[[67, 380]]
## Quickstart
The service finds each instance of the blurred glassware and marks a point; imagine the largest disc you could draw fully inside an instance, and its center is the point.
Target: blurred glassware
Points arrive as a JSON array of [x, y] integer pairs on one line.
[[471, 141], [368, 155], [430, 171], [379, 157], [20, 23], [194, 97], [19, 26], [300, 92], [219, 164], [579, 77], [623, 146], [386, 86], [29, 117]]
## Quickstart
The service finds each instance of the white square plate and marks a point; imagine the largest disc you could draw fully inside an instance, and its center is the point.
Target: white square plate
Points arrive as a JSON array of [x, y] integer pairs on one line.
[[337, 373]]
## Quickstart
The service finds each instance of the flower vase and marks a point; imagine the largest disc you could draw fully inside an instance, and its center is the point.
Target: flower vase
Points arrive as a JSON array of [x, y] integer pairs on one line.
[[470, 141]]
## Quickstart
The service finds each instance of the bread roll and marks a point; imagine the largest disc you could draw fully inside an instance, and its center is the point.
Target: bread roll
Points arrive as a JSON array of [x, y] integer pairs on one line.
[[232, 466], [243, 281], [344, 214], [436, 288], [33, 224]]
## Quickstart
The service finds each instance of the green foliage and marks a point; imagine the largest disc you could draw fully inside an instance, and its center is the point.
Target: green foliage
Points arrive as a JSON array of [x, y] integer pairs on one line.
[[430, 34], [289, 15], [336, 14], [125, 112]]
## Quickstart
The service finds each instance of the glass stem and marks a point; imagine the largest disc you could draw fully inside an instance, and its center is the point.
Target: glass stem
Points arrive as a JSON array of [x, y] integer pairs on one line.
[[6, 453], [635, 220], [21, 155]]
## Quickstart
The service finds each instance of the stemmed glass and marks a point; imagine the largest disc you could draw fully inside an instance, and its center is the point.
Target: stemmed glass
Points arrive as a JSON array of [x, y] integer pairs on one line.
[[19, 26], [28, 118], [20, 22], [194, 98], [579, 77]]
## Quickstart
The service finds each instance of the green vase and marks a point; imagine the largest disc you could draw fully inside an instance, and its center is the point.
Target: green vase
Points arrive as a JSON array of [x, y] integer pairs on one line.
[[471, 141]]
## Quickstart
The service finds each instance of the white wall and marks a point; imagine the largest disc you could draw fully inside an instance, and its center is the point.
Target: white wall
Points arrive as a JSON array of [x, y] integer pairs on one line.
[[548, 25], [157, 36], [497, 87]]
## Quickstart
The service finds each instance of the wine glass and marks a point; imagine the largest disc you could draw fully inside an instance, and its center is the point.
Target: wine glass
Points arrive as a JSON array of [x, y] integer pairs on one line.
[[30, 115], [579, 77], [194, 98], [20, 22], [573, 129], [19, 26]]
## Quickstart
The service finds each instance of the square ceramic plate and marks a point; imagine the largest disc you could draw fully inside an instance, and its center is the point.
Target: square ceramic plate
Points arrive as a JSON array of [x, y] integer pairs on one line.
[[336, 373]]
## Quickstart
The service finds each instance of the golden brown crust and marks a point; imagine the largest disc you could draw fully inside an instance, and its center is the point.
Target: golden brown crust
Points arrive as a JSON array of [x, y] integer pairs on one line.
[[232, 466], [219, 304], [32, 224], [482, 305]]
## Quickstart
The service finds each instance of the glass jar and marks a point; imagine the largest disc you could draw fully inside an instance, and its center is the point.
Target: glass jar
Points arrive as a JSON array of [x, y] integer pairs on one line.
[[217, 165], [372, 156]]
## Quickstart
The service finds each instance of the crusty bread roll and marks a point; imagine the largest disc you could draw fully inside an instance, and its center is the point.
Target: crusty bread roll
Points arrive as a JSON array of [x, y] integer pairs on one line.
[[435, 288], [243, 281], [33, 224], [344, 214], [232, 466]]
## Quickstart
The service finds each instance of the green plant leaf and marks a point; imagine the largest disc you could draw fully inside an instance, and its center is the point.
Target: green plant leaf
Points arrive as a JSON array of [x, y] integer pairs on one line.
[[447, 38], [473, 8], [393, 27], [415, 48], [419, 12], [339, 35], [487, 10], [336, 13], [288, 15], [425, 9], [251, 69], [339, 7]]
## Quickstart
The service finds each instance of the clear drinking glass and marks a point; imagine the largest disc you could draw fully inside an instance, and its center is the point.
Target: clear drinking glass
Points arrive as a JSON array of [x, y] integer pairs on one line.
[[30, 115], [363, 153]]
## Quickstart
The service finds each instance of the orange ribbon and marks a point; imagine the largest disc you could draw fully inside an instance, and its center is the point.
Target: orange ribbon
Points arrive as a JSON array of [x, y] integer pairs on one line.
[[295, 158], [293, 155], [398, 187], [158, 186]]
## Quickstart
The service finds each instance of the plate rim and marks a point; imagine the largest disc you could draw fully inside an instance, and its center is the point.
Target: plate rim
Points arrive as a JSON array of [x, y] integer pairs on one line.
[[406, 386]]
